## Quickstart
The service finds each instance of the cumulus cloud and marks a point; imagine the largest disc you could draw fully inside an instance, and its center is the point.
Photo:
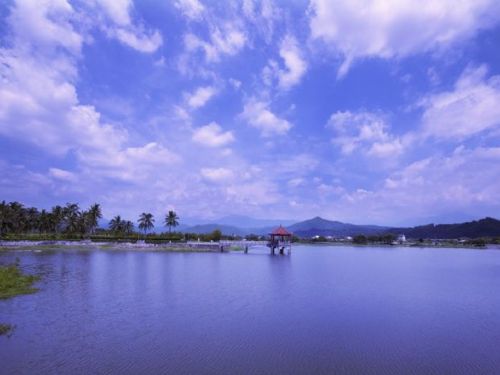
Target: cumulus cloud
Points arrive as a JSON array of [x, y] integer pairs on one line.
[[217, 174], [192, 9], [294, 62], [33, 21], [39, 103], [397, 28], [470, 108], [123, 28], [262, 15], [257, 114], [200, 96], [364, 131], [226, 39], [461, 180], [62, 174], [212, 135]]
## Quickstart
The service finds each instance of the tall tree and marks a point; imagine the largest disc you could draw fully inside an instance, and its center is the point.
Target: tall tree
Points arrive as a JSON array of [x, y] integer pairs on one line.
[[57, 218], [128, 226], [116, 224], [94, 214], [171, 220], [146, 222], [72, 218]]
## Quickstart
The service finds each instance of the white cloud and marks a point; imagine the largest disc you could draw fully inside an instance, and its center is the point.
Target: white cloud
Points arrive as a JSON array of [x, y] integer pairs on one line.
[[117, 10], [463, 182], [236, 84], [212, 135], [62, 174], [192, 9], [470, 108], [217, 174], [462, 179], [226, 39], [262, 15], [138, 39], [200, 96], [295, 182], [39, 103], [124, 29], [397, 28], [35, 22], [294, 62], [364, 131], [257, 114], [255, 193]]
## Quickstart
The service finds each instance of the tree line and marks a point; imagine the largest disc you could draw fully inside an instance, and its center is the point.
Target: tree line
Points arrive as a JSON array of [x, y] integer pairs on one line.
[[15, 218]]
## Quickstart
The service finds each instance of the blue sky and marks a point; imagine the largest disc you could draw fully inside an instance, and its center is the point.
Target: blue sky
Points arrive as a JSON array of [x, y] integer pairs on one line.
[[381, 111]]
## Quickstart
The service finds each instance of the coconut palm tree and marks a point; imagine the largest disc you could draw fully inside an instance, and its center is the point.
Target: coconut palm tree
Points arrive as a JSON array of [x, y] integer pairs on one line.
[[171, 220], [44, 222], [128, 226], [72, 217], [56, 217], [146, 222], [94, 214], [116, 224]]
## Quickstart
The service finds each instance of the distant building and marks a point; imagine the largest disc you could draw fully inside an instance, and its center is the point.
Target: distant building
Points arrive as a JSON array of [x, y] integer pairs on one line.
[[401, 238]]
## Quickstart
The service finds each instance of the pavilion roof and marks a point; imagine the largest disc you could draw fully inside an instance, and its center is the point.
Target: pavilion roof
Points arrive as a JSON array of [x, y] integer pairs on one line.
[[280, 231]]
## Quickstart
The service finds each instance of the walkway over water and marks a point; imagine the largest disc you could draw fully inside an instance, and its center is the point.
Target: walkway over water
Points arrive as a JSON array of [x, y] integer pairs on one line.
[[225, 245], [245, 245]]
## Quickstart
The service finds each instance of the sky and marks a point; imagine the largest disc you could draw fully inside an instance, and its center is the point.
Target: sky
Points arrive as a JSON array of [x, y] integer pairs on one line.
[[371, 112]]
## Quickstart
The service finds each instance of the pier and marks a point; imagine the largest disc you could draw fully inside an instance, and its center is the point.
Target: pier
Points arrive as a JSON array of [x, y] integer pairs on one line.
[[280, 241]]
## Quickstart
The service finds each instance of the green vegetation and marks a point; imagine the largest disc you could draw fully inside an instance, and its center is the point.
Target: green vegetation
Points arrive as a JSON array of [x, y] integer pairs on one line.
[[5, 329], [15, 219], [13, 282], [118, 226], [171, 220], [146, 222]]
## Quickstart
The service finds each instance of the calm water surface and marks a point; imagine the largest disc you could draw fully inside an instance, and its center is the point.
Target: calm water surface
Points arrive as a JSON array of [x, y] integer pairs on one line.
[[320, 310]]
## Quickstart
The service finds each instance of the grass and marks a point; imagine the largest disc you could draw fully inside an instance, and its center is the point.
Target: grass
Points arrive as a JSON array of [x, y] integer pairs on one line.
[[14, 282], [5, 329]]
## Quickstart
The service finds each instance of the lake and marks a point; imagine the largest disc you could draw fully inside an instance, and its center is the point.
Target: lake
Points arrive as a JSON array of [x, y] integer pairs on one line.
[[323, 309]]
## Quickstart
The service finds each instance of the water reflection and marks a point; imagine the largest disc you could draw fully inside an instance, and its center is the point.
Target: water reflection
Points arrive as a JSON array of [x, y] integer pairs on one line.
[[320, 310]]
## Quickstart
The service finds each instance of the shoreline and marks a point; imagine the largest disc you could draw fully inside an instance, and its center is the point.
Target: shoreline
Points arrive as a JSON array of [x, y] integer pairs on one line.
[[32, 245], [28, 245]]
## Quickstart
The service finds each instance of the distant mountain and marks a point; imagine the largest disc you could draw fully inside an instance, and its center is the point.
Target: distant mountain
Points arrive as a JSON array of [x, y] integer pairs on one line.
[[239, 221], [242, 225], [322, 227], [250, 222], [487, 227], [208, 228]]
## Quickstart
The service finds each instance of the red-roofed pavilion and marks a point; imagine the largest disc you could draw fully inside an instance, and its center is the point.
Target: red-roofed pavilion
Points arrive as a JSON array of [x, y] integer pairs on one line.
[[280, 239]]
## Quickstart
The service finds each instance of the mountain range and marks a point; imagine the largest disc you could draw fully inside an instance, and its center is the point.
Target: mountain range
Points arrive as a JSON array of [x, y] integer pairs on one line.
[[487, 227], [242, 225]]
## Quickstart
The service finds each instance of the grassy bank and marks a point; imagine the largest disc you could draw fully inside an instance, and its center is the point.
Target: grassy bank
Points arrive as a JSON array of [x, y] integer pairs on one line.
[[5, 329], [14, 282]]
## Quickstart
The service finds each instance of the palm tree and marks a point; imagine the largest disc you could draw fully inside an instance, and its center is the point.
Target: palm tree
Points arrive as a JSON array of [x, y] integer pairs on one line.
[[146, 222], [171, 220], [57, 217], [116, 224], [44, 224], [72, 217], [128, 226], [94, 214]]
